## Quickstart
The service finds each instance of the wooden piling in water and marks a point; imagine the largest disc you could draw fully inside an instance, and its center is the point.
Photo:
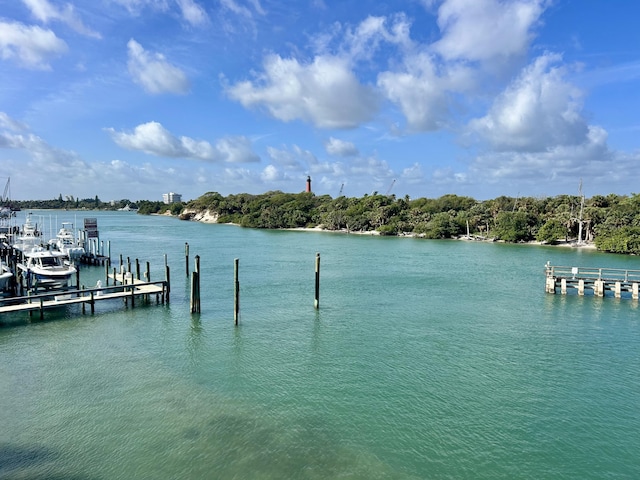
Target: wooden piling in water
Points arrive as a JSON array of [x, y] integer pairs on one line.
[[186, 258], [236, 297], [316, 302], [195, 287]]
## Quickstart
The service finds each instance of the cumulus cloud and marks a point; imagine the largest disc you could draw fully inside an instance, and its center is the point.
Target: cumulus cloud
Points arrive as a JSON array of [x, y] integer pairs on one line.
[[31, 47], [154, 139], [44, 11], [538, 111], [324, 92], [154, 73], [480, 30], [340, 148], [419, 92]]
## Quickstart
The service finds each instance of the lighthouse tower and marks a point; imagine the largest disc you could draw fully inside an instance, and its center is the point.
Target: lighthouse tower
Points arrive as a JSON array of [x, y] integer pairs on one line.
[[308, 190]]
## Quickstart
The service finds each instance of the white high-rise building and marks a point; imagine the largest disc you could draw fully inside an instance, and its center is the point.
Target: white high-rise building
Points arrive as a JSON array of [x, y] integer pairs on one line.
[[171, 198]]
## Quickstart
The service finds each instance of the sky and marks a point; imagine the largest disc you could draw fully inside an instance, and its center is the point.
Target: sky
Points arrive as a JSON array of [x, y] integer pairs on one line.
[[130, 99]]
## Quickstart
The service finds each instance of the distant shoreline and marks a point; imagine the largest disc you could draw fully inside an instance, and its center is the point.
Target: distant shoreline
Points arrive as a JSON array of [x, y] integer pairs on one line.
[[207, 217]]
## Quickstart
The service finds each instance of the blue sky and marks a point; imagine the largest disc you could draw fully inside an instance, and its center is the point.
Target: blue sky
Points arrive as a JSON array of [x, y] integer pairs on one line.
[[136, 98]]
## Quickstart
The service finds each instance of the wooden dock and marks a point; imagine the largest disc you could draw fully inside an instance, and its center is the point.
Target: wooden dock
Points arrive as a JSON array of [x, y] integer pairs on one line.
[[596, 280], [127, 288]]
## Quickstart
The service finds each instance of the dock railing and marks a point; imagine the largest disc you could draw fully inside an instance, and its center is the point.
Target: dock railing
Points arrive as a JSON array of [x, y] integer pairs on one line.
[[591, 273], [598, 280]]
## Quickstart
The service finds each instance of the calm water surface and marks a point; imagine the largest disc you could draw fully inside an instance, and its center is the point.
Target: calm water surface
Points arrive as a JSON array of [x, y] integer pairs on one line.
[[426, 360]]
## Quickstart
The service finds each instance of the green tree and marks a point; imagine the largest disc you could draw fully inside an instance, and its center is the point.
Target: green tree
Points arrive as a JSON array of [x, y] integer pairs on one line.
[[552, 231]]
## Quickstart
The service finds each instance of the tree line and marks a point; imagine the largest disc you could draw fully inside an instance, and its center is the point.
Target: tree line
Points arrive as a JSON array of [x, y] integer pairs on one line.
[[144, 207], [612, 222]]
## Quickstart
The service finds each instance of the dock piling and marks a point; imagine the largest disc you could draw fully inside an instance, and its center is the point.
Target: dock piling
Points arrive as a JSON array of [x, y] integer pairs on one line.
[[316, 302], [236, 297]]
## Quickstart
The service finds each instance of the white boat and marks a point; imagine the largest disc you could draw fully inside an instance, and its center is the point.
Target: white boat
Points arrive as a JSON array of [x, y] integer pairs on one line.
[[5, 276], [46, 268], [65, 242], [29, 237]]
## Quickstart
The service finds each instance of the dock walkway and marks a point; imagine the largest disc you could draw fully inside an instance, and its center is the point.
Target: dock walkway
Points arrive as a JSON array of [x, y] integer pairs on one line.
[[129, 289], [596, 280]]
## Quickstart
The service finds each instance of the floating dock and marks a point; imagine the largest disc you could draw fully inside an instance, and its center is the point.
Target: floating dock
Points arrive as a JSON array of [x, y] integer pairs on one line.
[[595, 280]]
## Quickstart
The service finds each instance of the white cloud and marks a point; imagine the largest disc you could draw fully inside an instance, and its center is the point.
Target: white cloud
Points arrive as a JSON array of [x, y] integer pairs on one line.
[[154, 73], [136, 6], [365, 40], [272, 174], [419, 92], [236, 150], [283, 157], [44, 11], [154, 139], [325, 92], [538, 111], [32, 47], [340, 148], [480, 30], [192, 12], [6, 122]]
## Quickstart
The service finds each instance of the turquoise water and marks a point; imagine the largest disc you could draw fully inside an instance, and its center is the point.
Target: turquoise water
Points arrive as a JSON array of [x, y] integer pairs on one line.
[[426, 360]]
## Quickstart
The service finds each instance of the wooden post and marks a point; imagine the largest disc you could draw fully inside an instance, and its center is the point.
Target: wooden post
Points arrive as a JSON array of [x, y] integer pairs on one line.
[[634, 291], [167, 278], [236, 297], [581, 287], [195, 287], [137, 269], [83, 305], [77, 277], [109, 250], [316, 302], [186, 258], [121, 262], [618, 290], [92, 303], [148, 273], [133, 295], [106, 274], [41, 309], [563, 286], [129, 264]]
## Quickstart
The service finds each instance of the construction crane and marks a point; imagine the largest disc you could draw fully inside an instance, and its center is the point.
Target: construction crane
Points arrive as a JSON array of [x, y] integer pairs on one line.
[[390, 187]]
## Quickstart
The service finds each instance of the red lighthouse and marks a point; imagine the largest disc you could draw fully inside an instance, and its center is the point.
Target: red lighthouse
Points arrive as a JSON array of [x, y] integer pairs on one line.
[[308, 190]]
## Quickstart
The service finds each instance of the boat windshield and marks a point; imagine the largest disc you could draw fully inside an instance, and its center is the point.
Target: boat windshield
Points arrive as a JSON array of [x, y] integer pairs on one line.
[[50, 261]]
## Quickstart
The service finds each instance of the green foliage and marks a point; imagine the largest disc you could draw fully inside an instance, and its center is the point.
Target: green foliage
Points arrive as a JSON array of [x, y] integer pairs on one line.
[[619, 240], [513, 227], [552, 231]]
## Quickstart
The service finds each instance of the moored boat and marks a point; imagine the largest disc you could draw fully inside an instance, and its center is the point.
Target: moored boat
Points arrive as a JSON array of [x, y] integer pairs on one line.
[[46, 268], [5, 276], [65, 242]]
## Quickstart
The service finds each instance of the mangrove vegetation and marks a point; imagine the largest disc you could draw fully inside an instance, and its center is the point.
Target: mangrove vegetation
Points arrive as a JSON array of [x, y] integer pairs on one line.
[[611, 222]]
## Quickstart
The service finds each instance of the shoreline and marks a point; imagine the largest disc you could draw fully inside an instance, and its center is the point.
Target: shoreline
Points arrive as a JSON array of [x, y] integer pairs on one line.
[[207, 217]]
